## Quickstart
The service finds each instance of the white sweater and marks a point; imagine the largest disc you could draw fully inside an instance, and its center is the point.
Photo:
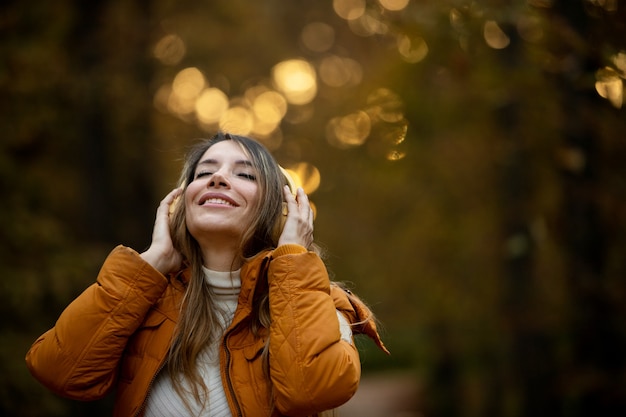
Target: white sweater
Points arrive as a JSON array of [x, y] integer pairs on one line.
[[164, 401]]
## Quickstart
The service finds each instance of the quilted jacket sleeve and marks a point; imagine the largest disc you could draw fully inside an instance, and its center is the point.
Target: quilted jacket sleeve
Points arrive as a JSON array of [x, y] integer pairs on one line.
[[312, 369], [78, 358]]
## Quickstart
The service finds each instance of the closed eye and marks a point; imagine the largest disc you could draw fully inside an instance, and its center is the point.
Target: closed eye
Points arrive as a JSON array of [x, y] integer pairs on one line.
[[248, 176], [203, 174]]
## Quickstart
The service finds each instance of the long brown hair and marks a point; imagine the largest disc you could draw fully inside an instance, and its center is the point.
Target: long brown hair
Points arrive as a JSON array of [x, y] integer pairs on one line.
[[199, 323]]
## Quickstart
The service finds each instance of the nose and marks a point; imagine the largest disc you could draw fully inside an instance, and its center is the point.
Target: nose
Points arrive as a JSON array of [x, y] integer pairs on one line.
[[218, 180]]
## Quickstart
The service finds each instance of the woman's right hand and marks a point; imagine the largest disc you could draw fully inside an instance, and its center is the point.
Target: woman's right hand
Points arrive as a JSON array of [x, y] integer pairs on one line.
[[161, 253]]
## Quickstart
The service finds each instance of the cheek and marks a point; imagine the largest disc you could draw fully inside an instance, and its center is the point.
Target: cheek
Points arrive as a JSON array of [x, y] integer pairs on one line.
[[253, 201], [190, 192], [189, 195]]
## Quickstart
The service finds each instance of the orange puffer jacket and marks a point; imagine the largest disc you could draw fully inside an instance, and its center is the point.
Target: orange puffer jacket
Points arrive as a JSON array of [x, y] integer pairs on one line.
[[118, 331]]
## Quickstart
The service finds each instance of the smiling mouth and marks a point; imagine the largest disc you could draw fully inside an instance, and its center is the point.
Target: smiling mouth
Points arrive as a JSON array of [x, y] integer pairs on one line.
[[219, 201]]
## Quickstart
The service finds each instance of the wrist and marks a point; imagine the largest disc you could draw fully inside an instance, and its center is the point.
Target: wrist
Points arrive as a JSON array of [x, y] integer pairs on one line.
[[156, 259]]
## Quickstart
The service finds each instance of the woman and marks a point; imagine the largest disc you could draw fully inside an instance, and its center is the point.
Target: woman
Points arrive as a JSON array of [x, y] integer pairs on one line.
[[228, 312]]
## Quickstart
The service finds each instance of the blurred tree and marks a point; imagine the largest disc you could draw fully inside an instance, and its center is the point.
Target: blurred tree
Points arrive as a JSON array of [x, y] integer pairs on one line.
[[589, 35]]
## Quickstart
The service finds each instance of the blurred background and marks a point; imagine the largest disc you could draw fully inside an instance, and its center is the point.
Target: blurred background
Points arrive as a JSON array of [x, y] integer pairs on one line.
[[467, 160]]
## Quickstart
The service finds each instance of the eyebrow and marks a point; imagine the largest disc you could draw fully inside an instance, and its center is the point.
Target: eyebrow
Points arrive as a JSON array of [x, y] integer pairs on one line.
[[241, 162]]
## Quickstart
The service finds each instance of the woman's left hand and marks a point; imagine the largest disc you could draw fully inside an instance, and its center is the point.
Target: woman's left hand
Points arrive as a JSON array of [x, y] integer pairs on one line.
[[299, 225]]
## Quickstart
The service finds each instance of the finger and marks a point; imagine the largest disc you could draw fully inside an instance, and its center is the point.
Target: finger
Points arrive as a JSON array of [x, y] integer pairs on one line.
[[169, 201], [171, 196], [292, 204], [303, 202]]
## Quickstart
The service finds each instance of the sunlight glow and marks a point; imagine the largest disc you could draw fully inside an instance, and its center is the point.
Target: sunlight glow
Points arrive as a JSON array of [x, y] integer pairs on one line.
[[394, 5], [170, 49], [305, 175], [296, 79], [161, 97], [336, 71], [456, 19], [385, 105], [619, 60], [349, 131], [268, 109], [186, 87], [349, 9], [237, 120], [188, 83], [211, 106], [495, 36], [610, 86], [412, 50], [318, 36], [368, 25], [397, 134], [395, 155]]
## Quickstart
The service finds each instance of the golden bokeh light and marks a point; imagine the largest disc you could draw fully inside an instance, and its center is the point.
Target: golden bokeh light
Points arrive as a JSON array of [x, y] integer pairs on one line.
[[367, 25], [186, 87], [336, 71], [349, 131], [170, 49], [270, 107], [610, 86], [394, 5], [161, 97], [349, 9], [619, 60], [395, 155], [456, 19], [237, 120], [318, 37], [412, 50], [296, 79], [385, 105], [305, 175], [495, 36], [188, 83], [180, 105], [211, 106], [396, 134]]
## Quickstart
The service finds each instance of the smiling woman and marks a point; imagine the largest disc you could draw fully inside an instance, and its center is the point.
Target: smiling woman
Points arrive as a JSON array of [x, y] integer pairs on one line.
[[223, 197], [221, 315]]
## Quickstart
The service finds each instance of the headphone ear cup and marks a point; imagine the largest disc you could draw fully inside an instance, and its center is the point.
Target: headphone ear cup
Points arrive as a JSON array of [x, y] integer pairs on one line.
[[173, 205], [280, 223]]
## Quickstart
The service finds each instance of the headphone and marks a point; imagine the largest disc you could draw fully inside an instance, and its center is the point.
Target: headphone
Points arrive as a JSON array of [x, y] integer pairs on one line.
[[280, 224]]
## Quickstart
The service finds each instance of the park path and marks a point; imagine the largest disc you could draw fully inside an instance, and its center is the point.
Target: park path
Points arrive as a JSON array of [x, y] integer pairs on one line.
[[384, 395]]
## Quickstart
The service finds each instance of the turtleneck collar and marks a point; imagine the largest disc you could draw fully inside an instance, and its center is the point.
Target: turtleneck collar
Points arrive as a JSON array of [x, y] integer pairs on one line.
[[223, 282]]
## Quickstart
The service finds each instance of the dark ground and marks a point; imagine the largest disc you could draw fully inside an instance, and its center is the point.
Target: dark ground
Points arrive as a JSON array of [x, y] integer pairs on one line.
[[384, 395]]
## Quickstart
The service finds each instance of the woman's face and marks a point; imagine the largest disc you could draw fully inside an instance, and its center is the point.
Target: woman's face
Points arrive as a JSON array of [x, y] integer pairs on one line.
[[222, 197]]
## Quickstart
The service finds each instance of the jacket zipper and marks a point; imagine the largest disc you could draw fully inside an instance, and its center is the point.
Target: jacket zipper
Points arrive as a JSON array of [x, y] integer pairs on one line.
[[145, 400], [229, 382]]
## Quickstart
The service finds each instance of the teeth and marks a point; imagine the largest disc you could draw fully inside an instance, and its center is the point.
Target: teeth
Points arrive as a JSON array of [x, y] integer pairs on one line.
[[217, 201]]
